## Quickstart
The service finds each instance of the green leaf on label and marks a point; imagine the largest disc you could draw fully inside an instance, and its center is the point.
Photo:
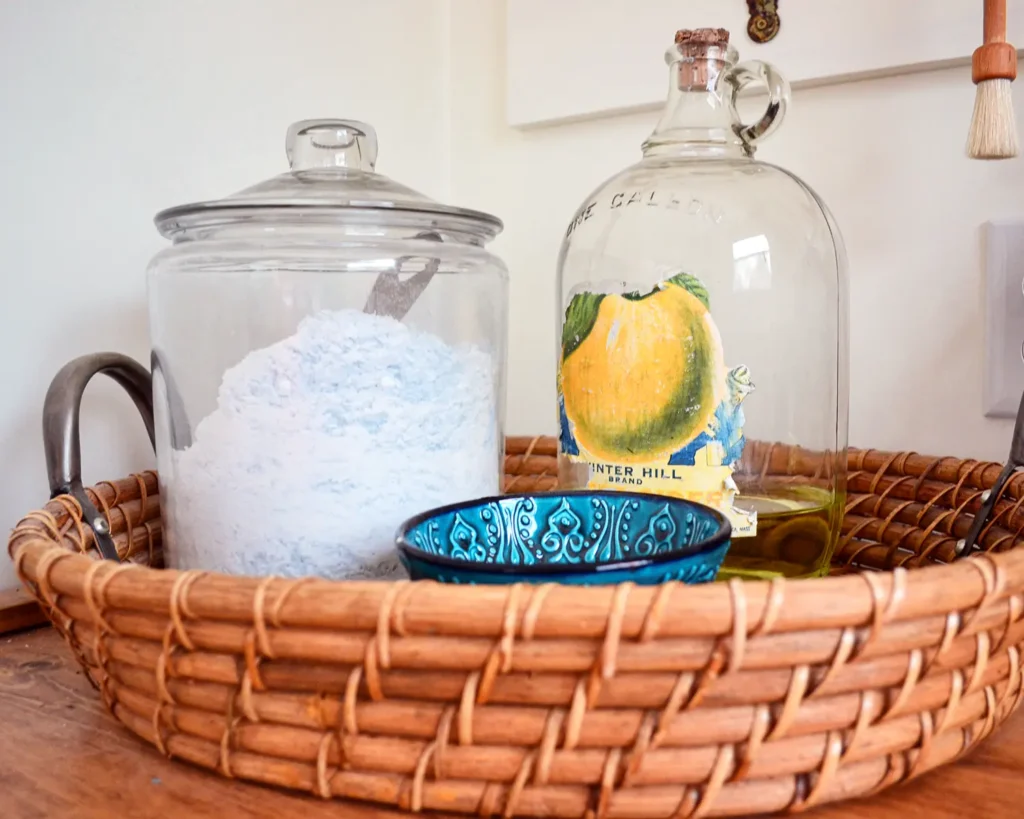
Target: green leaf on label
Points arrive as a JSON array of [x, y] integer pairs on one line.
[[690, 283], [694, 285], [580, 318]]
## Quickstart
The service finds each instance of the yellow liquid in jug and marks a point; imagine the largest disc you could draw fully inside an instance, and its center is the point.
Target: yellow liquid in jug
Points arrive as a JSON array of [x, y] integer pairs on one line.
[[797, 531]]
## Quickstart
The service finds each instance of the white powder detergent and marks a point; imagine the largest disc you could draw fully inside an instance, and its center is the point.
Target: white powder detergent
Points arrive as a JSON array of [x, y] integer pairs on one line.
[[323, 443]]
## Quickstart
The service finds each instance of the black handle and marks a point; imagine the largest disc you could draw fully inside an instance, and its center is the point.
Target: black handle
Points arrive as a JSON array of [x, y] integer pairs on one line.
[[990, 496], [181, 433], [61, 441]]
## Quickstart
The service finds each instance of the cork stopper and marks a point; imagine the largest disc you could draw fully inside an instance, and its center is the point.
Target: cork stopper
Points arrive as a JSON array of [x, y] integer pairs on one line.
[[703, 36], [700, 54]]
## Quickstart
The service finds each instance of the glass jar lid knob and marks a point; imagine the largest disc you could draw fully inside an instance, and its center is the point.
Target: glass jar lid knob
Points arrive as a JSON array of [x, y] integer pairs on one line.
[[331, 143]]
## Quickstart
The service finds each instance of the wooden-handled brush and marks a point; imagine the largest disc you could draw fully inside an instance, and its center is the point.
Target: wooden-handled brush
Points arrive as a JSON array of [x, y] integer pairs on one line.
[[993, 67]]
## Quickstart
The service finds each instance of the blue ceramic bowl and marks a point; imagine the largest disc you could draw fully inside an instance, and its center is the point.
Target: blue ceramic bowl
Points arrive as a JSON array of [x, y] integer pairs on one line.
[[585, 538]]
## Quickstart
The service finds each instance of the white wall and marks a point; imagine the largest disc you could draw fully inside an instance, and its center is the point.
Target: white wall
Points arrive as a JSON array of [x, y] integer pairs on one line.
[[112, 110], [886, 155], [119, 109]]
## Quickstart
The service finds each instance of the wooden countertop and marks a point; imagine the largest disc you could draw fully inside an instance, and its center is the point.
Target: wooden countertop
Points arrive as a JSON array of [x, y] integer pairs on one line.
[[62, 755]]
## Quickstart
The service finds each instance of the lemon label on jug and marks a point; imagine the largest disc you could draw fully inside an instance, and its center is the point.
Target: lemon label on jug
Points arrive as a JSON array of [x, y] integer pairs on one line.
[[645, 398]]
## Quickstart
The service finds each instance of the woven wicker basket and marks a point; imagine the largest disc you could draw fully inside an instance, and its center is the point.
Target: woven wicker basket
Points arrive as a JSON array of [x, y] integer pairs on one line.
[[717, 700]]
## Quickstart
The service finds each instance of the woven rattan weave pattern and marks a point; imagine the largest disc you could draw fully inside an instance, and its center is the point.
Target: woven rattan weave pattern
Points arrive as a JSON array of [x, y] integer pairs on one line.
[[621, 701]]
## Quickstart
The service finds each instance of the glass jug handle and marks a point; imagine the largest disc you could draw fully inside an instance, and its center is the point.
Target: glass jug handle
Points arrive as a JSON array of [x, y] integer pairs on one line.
[[739, 77]]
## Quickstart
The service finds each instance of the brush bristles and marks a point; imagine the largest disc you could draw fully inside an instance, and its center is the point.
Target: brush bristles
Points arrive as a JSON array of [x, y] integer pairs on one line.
[[993, 127]]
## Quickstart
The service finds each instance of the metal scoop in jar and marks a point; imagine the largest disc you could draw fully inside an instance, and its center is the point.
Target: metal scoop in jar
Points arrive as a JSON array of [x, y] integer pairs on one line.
[[394, 297], [390, 296]]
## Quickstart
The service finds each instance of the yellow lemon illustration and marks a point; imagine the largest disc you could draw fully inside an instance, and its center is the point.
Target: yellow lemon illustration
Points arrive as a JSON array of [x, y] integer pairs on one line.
[[641, 375]]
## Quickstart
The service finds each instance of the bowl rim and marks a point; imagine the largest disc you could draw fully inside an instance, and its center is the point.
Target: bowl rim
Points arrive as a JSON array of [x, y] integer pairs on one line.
[[404, 546]]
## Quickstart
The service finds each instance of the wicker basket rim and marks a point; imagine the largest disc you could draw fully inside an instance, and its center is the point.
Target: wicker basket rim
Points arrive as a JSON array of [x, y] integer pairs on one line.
[[859, 598]]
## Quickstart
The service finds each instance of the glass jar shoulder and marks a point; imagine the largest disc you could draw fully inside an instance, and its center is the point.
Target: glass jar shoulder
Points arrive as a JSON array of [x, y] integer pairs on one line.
[[321, 251], [714, 190], [659, 215]]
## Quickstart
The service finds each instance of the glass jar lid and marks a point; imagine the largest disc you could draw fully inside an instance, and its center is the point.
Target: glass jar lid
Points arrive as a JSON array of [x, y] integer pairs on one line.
[[331, 175]]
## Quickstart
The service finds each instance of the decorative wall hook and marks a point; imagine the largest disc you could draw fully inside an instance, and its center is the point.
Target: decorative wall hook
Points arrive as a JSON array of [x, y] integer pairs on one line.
[[764, 20]]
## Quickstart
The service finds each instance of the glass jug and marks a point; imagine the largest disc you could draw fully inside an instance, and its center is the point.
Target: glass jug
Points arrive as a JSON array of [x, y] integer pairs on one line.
[[702, 314]]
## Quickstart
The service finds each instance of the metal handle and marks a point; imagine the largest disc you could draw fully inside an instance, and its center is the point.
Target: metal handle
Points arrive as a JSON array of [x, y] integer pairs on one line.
[[990, 496], [61, 442], [181, 432]]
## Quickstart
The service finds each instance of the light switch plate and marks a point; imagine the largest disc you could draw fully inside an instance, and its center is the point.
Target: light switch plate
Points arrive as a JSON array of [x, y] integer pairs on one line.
[[1003, 248]]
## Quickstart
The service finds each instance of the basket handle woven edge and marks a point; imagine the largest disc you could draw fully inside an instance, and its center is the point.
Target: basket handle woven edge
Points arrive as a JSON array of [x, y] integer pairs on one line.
[[61, 438]]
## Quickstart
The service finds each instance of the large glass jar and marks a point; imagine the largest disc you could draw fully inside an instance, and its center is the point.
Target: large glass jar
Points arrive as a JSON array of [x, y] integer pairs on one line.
[[703, 325], [328, 360]]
